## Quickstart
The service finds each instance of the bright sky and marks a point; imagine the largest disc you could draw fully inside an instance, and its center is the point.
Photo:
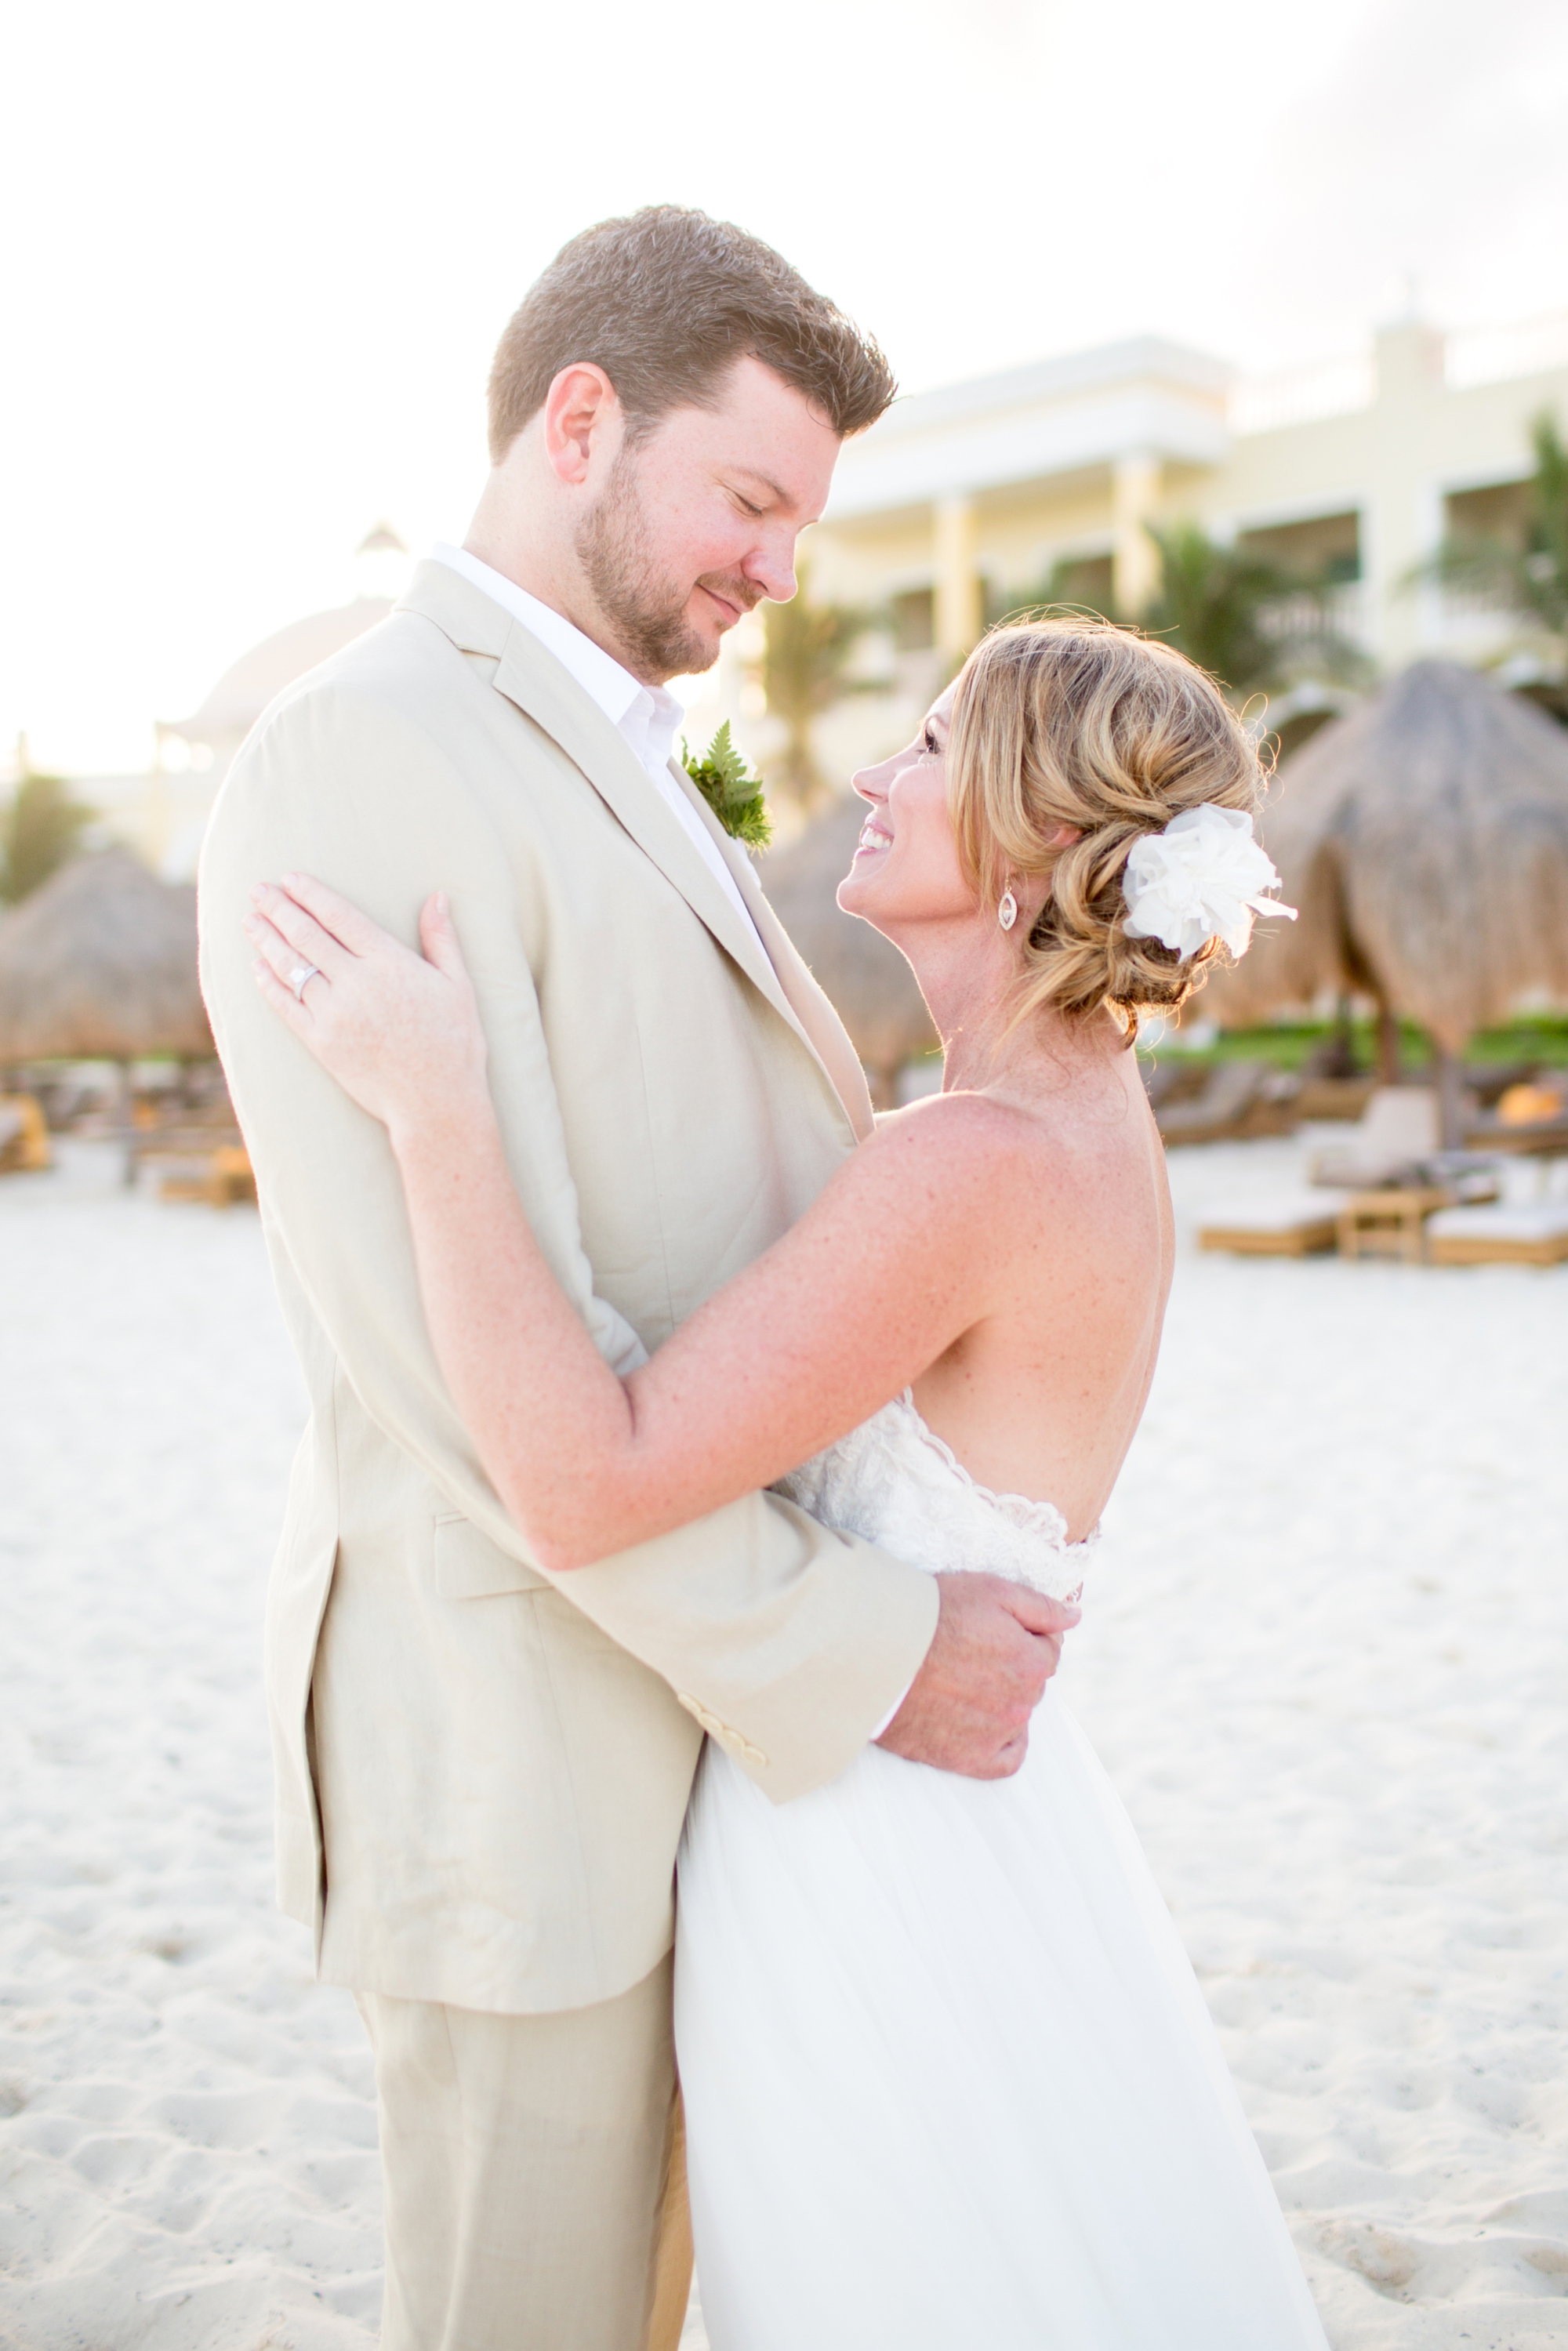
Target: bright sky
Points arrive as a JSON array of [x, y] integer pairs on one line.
[[257, 255]]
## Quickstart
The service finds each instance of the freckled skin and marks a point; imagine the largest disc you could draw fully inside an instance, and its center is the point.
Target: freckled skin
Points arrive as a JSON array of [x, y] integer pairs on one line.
[[1041, 1392]]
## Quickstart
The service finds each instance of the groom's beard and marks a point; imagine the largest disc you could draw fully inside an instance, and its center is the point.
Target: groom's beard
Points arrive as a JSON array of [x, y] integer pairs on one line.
[[648, 614]]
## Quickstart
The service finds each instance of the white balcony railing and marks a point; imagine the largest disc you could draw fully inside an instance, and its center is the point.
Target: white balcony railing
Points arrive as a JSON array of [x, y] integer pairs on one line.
[[1301, 395], [1477, 355], [1335, 614], [1471, 356]]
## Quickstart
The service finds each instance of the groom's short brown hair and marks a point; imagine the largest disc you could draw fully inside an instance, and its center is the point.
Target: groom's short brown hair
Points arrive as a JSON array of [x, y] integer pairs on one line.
[[665, 301]]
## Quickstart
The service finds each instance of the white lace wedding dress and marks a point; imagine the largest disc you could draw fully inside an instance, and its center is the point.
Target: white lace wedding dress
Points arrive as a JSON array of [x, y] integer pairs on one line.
[[950, 2082]]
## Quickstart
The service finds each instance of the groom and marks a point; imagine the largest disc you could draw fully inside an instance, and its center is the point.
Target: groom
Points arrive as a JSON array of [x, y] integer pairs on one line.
[[481, 1781]]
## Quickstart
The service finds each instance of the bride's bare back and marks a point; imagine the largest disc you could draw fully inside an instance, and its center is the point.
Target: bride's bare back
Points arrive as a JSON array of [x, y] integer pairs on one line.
[[1007, 1251], [1043, 1396]]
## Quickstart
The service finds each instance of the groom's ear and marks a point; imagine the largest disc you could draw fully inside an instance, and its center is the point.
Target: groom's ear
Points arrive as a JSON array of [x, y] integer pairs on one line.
[[583, 421]]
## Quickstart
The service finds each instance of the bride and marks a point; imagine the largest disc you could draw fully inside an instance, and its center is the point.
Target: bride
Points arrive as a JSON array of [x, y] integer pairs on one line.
[[948, 2076]]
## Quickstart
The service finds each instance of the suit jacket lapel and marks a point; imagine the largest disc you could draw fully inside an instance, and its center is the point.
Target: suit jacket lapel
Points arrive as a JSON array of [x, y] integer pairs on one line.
[[529, 676], [814, 1014]]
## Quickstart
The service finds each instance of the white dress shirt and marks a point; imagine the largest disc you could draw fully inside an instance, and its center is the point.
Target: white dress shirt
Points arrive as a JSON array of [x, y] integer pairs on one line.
[[646, 716]]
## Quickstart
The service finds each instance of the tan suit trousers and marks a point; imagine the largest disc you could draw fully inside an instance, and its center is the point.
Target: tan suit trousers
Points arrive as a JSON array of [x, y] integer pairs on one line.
[[535, 2175]]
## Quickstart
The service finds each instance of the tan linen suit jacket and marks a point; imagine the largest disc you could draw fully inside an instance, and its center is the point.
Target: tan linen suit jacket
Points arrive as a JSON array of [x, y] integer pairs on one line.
[[481, 1771]]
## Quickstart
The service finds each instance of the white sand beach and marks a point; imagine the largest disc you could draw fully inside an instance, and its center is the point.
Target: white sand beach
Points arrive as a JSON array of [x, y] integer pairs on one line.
[[1324, 1658]]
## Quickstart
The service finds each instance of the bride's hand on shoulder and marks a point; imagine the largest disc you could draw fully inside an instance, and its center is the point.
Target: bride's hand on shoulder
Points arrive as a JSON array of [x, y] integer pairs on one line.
[[399, 1032]]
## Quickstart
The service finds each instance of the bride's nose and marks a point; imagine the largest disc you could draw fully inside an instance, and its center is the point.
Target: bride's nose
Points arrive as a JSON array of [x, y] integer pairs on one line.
[[873, 784]]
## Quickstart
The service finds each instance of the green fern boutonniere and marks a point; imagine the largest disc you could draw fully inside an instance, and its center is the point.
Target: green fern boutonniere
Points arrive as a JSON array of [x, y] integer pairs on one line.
[[731, 790]]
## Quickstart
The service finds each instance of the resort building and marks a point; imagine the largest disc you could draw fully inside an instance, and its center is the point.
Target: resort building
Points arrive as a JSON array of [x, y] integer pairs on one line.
[[965, 500]]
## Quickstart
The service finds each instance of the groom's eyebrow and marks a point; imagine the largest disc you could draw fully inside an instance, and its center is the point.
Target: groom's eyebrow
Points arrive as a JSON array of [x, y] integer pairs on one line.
[[764, 482]]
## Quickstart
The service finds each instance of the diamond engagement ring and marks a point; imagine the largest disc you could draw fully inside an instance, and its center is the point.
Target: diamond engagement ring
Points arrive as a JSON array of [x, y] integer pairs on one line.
[[300, 977]]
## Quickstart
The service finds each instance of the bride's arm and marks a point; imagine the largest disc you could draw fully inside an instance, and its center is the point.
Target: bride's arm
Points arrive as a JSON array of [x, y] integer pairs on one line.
[[904, 1252]]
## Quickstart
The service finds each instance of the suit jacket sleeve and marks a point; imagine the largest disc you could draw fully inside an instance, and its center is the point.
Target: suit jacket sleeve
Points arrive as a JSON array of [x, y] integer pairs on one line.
[[795, 1638]]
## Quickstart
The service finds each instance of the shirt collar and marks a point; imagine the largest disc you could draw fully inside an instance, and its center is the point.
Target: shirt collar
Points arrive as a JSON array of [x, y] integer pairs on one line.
[[647, 715]]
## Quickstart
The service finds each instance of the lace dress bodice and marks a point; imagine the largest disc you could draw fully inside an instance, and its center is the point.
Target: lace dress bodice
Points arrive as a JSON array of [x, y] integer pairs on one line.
[[895, 1482]]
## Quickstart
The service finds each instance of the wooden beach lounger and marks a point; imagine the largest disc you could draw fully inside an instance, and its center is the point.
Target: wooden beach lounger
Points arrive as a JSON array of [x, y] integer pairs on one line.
[[1296, 1224], [1534, 1232], [24, 1137], [1241, 1100], [1398, 1129], [217, 1172]]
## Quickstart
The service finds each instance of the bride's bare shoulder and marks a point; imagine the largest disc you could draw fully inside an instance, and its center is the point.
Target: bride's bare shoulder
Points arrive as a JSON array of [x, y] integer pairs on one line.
[[968, 1149], [949, 1146], [930, 1205], [969, 1130], [961, 1123]]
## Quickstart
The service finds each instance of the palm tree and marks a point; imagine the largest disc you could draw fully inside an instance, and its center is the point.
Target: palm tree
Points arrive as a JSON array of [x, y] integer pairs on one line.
[[39, 832], [804, 669], [1252, 624], [1073, 585], [1210, 604], [1530, 579]]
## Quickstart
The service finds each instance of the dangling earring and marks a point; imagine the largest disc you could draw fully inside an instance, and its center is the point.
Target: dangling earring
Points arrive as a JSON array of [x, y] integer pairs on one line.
[[1007, 910]]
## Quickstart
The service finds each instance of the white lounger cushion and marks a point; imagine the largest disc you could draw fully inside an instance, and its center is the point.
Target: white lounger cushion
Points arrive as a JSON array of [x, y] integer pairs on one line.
[[1525, 1220], [1279, 1214]]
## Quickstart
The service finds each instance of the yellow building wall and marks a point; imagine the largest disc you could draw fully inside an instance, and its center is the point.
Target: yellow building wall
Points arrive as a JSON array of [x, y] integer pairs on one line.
[[1391, 462]]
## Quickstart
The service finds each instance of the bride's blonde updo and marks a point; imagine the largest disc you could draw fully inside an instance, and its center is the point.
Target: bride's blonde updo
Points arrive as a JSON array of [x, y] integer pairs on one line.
[[1074, 722]]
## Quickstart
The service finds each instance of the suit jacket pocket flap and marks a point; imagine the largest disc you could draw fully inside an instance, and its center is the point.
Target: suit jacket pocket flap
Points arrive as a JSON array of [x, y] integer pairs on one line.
[[469, 1566]]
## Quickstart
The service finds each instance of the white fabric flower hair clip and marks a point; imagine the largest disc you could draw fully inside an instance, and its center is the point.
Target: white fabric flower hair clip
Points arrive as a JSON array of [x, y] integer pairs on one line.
[[1202, 878]]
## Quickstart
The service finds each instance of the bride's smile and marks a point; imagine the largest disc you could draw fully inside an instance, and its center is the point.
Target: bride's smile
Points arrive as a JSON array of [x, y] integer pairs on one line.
[[875, 835], [906, 868]]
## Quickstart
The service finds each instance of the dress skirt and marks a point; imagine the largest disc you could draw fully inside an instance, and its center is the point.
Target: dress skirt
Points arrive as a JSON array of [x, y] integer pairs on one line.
[[950, 2082]]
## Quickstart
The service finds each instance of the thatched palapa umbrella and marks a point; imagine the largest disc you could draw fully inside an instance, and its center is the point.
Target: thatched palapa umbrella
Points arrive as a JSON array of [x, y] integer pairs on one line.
[[1424, 840], [868, 982], [100, 965]]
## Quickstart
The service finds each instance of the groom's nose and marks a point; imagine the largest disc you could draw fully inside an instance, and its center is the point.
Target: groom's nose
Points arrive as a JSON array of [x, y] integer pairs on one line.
[[771, 566]]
